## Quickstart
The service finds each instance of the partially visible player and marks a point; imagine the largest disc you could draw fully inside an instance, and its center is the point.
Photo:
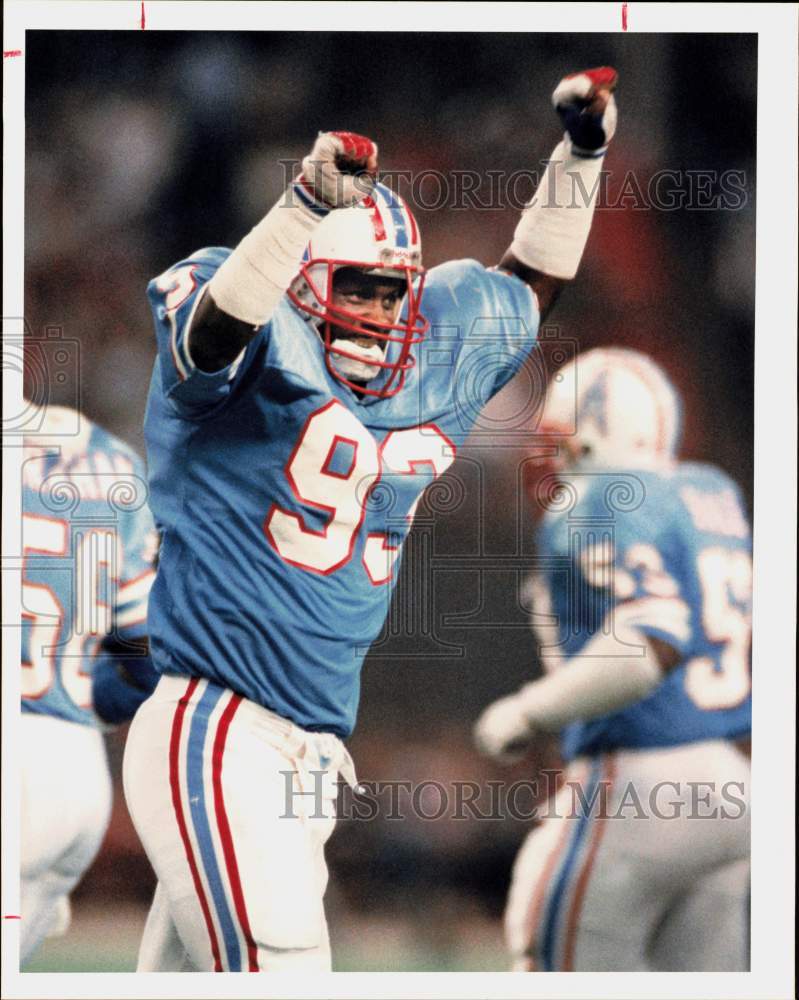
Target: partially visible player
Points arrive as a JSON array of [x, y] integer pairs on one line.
[[643, 621], [89, 544], [295, 416]]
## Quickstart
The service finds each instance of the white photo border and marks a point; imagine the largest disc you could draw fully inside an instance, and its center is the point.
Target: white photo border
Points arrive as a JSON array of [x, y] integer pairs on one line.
[[772, 966]]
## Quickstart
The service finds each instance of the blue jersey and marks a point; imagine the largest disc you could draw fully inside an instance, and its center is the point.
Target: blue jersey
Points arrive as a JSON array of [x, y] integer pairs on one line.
[[669, 553], [284, 498], [89, 543]]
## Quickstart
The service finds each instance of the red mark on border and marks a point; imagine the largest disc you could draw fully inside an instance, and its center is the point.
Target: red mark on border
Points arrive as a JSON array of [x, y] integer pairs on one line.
[[623, 17], [9, 53], [12, 916], [143, 23]]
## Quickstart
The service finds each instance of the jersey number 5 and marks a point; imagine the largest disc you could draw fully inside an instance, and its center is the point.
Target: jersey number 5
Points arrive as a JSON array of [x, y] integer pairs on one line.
[[726, 578], [341, 492], [89, 617]]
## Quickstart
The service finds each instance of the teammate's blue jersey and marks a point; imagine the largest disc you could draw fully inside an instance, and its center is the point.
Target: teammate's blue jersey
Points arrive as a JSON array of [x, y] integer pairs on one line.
[[284, 498], [669, 553], [89, 543]]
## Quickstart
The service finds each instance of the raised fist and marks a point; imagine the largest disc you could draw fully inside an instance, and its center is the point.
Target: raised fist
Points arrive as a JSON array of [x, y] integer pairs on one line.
[[587, 109], [341, 169]]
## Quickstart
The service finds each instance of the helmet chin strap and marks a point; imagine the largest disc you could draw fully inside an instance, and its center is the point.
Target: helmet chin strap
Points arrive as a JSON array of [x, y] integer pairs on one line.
[[356, 370]]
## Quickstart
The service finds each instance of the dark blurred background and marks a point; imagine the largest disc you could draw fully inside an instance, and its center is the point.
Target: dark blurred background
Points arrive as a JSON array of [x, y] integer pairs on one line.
[[144, 146]]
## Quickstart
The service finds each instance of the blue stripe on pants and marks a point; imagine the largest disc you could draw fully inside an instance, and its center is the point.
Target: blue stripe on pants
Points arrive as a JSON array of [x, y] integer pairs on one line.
[[194, 779], [556, 899]]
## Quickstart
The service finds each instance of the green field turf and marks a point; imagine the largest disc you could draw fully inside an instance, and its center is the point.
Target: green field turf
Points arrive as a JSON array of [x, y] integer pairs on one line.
[[107, 941]]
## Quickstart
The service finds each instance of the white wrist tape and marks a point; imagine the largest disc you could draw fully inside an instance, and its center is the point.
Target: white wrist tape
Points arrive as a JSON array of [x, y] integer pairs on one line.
[[553, 230], [599, 680], [253, 279]]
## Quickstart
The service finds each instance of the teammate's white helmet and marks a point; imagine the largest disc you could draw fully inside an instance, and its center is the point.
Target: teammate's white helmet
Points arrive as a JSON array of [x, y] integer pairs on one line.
[[379, 236], [613, 408]]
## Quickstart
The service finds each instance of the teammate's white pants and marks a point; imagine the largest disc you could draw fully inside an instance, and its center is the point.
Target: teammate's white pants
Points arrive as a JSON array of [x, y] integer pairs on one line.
[[66, 806], [233, 805], [654, 877]]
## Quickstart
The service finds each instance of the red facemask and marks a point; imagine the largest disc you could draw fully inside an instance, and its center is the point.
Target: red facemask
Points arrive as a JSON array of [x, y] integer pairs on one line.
[[409, 328]]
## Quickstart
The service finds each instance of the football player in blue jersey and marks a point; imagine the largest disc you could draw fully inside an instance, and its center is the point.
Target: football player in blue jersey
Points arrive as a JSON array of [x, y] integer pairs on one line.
[[292, 377], [642, 613], [89, 543]]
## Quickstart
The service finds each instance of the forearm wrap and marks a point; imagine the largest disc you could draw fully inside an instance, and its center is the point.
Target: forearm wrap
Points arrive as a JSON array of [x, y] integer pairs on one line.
[[553, 230], [253, 279]]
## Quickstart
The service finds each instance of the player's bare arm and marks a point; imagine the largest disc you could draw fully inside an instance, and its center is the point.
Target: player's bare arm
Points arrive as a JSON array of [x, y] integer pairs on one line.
[[596, 682], [553, 230], [338, 172], [217, 338]]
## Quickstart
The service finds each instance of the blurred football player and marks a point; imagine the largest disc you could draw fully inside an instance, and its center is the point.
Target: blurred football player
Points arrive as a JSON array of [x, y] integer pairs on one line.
[[88, 547], [292, 376], [643, 620]]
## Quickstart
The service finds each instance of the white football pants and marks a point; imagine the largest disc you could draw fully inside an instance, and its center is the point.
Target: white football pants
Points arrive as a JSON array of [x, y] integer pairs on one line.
[[654, 879], [233, 805], [66, 806]]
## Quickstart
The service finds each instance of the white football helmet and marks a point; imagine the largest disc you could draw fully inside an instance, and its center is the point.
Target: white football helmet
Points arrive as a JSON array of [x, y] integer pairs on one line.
[[381, 237], [613, 408]]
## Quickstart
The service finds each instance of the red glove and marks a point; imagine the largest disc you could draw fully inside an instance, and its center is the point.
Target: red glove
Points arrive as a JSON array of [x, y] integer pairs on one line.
[[341, 168]]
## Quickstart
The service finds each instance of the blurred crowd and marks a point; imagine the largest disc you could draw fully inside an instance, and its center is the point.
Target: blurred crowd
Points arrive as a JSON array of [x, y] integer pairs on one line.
[[144, 146]]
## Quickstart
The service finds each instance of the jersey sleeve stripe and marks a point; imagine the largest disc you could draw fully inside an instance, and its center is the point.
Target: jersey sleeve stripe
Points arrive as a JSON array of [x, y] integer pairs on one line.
[[666, 614], [177, 361], [180, 818], [137, 588], [181, 346], [180, 343], [136, 615], [132, 598]]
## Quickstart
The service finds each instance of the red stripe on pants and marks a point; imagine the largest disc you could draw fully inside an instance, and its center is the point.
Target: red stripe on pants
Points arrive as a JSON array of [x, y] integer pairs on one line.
[[224, 831], [535, 906], [174, 783], [585, 874]]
